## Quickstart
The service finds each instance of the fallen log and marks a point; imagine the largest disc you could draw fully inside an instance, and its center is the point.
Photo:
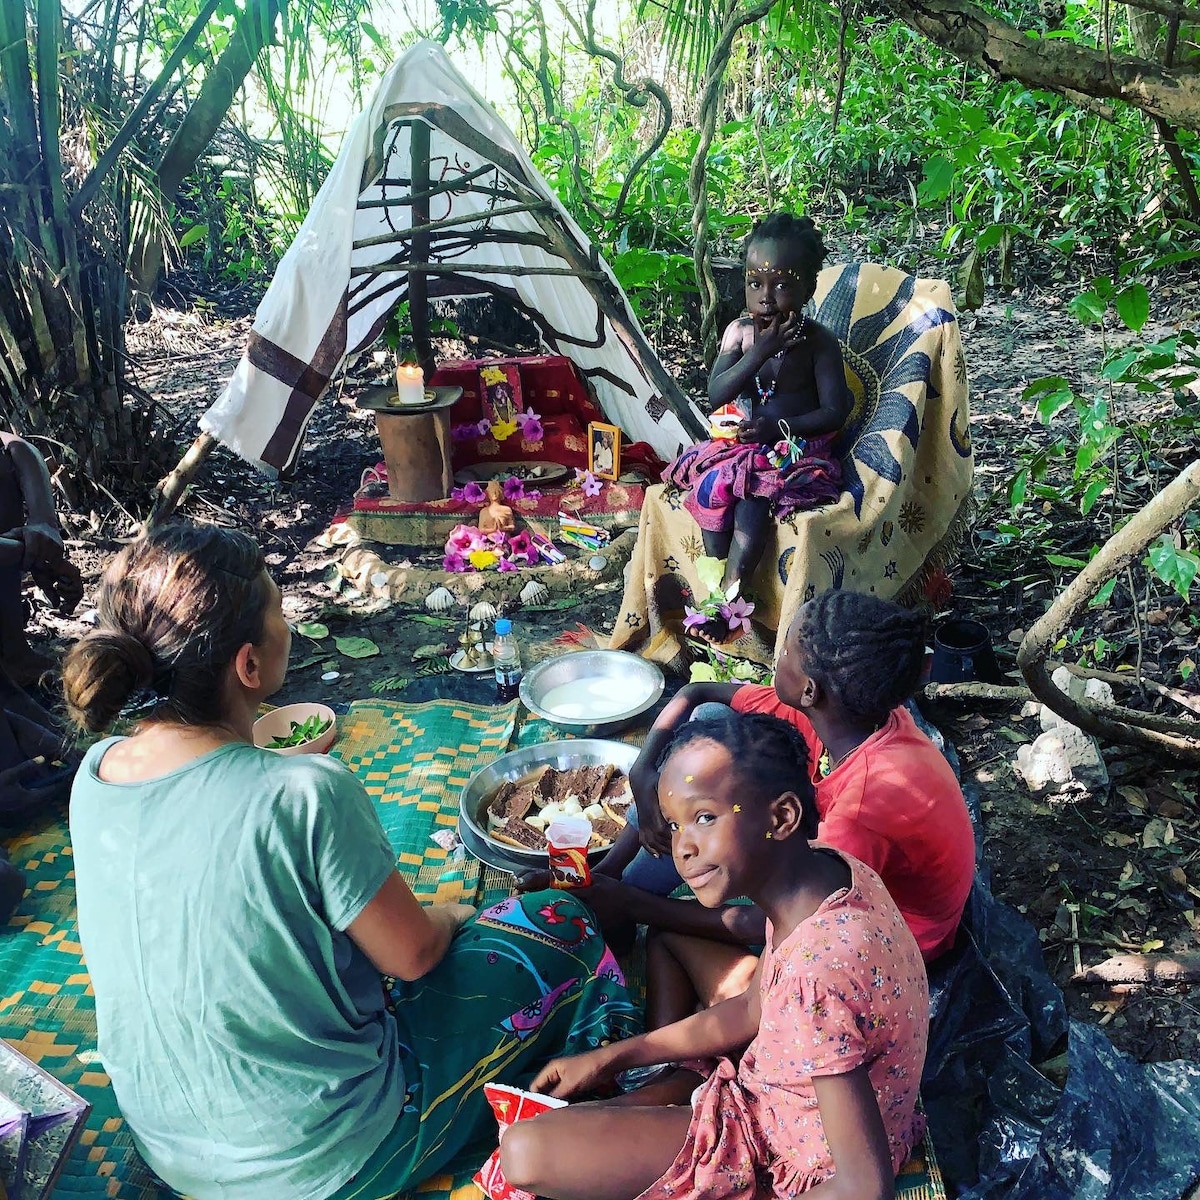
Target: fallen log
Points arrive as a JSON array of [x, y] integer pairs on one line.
[[1143, 968]]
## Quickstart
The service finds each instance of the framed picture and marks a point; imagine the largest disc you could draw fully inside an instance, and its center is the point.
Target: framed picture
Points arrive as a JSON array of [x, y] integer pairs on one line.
[[500, 392], [604, 451]]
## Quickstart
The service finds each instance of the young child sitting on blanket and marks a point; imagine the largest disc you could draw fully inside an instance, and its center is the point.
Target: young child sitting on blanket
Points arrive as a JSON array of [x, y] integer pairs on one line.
[[784, 372], [823, 1097]]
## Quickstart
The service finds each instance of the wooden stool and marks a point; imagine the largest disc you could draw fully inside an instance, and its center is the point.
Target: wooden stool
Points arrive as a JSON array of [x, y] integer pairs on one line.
[[415, 441]]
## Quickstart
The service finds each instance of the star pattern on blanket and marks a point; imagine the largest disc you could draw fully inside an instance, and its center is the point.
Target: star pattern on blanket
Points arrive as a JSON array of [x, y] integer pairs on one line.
[[884, 368]]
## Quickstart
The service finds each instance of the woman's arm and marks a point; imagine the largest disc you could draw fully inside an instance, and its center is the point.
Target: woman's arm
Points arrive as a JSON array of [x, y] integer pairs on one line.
[[857, 1139], [722, 1029], [400, 936]]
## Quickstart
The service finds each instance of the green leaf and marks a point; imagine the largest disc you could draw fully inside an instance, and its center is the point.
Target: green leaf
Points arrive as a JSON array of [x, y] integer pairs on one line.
[[193, 235], [312, 629], [1052, 403], [1087, 308], [1133, 306], [1017, 489], [1091, 494], [702, 672], [356, 647], [970, 280], [937, 180], [1065, 560], [710, 572], [1103, 596], [1174, 567], [373, 34]]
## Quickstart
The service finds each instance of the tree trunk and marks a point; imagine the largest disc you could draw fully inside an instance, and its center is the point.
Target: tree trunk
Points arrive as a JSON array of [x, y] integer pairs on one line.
[[254, 31], [1058, 65]]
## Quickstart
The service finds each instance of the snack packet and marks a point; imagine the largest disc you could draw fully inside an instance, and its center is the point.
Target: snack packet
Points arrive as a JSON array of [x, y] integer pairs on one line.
[[509, 1104], [567, 840], [723, 422]]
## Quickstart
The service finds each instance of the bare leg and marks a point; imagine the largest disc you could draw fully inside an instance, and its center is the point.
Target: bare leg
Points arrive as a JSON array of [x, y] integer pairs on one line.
[[571, 1153], [751, 522], [683, 973]]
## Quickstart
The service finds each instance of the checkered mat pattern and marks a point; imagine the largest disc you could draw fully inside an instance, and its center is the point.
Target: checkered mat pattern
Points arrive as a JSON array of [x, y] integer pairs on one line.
[[414, 761]]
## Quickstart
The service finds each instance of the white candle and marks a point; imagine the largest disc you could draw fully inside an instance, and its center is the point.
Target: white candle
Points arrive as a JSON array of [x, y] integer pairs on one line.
[[410, 384]]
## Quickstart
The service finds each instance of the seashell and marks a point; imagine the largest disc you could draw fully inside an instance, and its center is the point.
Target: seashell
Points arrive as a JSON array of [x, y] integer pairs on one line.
[[534, 592], [483, 611], [597, 562], [441, 599]]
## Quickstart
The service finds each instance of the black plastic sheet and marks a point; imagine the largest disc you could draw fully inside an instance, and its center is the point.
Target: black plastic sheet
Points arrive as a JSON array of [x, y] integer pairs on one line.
[[1003, 1131]]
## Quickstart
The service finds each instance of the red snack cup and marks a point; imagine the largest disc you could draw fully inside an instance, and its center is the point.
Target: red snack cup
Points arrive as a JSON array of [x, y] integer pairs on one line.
[[567, 840], [509, 1104]]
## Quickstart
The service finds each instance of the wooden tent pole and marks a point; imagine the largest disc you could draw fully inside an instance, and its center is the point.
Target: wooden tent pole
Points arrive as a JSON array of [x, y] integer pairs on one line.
[[171, 490], [418, 281]]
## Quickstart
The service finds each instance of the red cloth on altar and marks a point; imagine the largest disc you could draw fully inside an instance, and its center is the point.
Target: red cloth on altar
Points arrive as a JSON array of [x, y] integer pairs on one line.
[[552, 387]]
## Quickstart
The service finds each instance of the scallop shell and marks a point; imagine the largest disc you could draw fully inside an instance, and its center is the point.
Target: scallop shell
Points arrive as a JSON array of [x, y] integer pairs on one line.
[[441, 599], [483, 611], [534, 592]]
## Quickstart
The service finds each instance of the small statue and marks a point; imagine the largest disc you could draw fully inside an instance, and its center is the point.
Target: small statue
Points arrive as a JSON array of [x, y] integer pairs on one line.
[[496, 516]]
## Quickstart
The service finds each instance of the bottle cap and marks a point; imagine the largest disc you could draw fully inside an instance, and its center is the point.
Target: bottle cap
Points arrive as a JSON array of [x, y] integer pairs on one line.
[[503, 626]]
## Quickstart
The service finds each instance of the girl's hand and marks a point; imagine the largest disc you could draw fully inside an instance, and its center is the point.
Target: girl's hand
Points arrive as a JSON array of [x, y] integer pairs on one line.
[[781, 334], [457, 914], [566, 1077], [652, 829], [757, 430]]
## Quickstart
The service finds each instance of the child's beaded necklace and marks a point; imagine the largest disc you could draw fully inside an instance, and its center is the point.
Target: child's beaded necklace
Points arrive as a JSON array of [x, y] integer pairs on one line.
[[765, 393]]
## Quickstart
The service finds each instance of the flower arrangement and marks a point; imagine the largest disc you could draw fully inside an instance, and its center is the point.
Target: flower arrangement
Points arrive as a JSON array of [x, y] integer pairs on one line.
[[528, 422], [469, 549], [719, 605], [724, 668], [514, 489], [590, 484]]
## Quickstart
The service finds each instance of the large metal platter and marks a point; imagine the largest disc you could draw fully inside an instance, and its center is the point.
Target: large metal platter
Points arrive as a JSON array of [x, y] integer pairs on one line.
[[472, 818], [637, 678]]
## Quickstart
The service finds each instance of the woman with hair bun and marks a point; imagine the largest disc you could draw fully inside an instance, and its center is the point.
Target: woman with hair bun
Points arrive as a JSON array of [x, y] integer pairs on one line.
[[237, 909]]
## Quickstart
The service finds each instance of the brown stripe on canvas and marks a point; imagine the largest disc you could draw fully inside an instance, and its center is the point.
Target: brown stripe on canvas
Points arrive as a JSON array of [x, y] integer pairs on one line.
[[307, 389]]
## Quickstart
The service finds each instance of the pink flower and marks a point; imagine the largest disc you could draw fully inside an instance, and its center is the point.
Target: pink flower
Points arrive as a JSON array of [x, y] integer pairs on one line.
[[507, 564], [454, 562], [550, 914], [532, 494], [497, 537], [737, 615], [527, 418], [521, 547], [462, 538], [591, 485], [693, 618]]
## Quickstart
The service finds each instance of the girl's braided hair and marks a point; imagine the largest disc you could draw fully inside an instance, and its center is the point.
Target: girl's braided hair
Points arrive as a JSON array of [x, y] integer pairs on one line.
[[865, 652], [770, 756]]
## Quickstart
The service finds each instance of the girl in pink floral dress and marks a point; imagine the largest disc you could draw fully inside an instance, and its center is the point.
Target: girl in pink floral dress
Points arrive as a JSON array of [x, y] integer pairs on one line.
[[823, 1098]]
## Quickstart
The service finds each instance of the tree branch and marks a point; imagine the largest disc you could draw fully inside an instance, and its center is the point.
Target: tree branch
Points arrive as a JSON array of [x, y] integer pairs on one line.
[[967, 31]]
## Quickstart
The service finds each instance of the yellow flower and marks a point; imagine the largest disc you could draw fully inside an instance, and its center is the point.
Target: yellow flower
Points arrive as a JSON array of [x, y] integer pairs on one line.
[[481, 560], [493, 375], [502, 430]]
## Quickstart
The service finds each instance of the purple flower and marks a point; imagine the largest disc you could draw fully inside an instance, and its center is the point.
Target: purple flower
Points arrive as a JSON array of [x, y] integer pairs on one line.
[[525, 419], [473, 493], [693, 618], [484, 427], [464, 433], [520, 546], [454, 562], [532, 431], [514, 488], [591, 485], [497, 537], [532, 494], [507, 564], [737, 615]]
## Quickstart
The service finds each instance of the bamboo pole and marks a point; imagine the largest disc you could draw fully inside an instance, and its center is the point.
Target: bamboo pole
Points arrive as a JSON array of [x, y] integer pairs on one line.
[[462, 268], [387, 239]]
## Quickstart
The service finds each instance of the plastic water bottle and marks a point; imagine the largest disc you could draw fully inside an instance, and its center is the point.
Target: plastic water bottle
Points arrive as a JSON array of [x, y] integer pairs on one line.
[[506, 654]]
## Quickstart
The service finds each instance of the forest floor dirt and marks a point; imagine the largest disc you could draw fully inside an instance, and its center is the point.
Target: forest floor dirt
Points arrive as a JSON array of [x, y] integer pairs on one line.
[[1129, 860]]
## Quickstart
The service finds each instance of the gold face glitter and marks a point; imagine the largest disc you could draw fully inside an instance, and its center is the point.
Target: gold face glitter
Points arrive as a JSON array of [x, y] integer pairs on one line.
[[688, 778], [737, 808]]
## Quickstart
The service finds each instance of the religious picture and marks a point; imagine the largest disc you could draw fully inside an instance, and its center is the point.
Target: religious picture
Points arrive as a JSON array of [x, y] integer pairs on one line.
[[500, 389], [604, 450]]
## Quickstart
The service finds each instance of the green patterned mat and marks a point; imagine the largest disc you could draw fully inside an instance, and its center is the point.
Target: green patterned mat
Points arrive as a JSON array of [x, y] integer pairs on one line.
[[414, 760]]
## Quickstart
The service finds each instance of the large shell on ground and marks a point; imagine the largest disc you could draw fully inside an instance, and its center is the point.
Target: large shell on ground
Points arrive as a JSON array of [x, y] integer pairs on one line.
[[534, 592], [485, 610], [440, 600]]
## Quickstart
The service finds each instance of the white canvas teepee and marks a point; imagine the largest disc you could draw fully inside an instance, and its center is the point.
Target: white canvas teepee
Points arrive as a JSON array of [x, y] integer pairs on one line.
[[493, 226]]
